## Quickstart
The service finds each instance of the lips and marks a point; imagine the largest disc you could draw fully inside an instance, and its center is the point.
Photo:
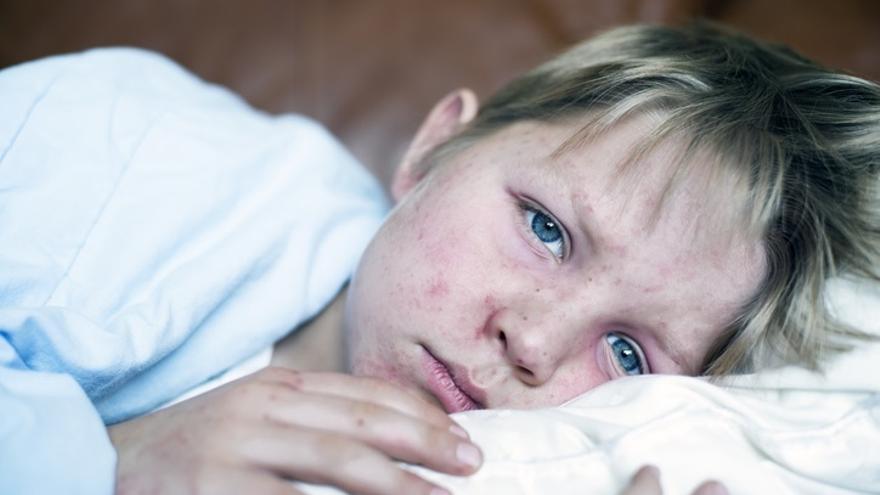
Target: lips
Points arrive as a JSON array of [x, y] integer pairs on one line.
[[447, 387]]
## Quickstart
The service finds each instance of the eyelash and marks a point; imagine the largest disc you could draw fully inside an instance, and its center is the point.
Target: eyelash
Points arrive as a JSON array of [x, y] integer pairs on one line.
[[529, 213], [613, 338]]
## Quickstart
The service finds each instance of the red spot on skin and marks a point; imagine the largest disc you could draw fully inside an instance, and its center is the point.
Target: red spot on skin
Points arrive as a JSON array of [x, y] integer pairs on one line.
[[491, 306], [438, 287], [489, 301]]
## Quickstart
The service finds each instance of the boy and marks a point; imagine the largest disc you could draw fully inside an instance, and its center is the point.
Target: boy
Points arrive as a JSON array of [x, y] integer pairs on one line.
[[654, 201]]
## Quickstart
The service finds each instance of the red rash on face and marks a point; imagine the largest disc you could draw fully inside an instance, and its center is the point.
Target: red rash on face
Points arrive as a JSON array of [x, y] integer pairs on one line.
[[438, 287], [452, 271]]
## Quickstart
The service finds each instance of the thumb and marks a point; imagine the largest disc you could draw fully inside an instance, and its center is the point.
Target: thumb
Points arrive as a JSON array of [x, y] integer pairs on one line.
[[646, 481]]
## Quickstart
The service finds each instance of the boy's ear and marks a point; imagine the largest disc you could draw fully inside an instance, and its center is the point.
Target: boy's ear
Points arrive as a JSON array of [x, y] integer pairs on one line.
[[447, 117]]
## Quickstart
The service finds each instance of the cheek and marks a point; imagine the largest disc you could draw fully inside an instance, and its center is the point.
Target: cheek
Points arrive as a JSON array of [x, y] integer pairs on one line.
[[437, 287], [384, 368]]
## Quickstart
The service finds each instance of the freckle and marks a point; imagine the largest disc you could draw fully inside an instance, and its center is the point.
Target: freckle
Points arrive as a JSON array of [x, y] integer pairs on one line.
[[617, 281], [360, 421], [590, 279], [538, 289], [525, 318]]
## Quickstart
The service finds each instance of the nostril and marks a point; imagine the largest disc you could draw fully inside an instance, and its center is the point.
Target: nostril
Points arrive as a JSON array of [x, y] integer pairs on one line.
[[503, 339], [525, 371]]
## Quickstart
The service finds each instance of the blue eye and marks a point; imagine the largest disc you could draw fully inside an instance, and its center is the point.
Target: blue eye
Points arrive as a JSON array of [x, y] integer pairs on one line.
[[547, 230], [626, 354]]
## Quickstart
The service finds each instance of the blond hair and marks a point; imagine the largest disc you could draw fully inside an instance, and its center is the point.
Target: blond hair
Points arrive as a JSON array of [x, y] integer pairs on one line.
[[804, 140]]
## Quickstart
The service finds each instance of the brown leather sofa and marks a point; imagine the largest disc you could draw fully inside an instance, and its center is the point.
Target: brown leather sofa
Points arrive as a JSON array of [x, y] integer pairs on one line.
[[369, 69]]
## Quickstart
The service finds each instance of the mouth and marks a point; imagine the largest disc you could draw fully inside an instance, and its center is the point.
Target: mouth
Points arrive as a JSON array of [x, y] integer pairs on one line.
[[455, 392]]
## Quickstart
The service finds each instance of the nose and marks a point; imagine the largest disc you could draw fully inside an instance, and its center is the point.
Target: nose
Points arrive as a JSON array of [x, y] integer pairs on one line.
[[532, 349]]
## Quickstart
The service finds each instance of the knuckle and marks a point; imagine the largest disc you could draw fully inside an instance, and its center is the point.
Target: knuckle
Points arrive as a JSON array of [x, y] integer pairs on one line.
[[379, 387], [286, 376], [364, 412], [337, 450], [437, 437]]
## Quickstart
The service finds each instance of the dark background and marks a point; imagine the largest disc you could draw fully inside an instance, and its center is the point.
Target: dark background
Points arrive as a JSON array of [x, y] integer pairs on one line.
[[370, 69]]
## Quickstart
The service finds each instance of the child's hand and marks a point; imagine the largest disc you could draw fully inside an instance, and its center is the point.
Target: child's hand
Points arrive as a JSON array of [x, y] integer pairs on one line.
[[646, 481], [252, 435]]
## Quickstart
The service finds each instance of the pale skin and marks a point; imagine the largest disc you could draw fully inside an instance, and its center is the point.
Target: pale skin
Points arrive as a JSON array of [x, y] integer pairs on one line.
[[544, 282]]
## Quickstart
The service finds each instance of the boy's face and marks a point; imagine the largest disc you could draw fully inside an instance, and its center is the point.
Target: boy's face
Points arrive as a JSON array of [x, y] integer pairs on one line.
[[510, 277]]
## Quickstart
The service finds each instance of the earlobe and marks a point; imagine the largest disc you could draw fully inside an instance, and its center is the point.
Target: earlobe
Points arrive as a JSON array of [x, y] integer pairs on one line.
[[446, 119]]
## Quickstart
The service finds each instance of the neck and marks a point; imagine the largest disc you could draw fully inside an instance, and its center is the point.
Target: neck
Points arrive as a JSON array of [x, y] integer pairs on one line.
[[318, 344]]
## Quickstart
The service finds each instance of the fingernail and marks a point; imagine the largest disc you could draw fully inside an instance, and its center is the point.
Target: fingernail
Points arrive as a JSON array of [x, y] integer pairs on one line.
[[715, 488], [458, 430], [469, 455], [651, 470], [439, 491]]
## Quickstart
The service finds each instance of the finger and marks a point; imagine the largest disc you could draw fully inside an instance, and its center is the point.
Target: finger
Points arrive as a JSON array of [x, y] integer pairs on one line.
[[710, 488], [398, 435], [646, 481], [328, 458], [228, 480], [365, 389]]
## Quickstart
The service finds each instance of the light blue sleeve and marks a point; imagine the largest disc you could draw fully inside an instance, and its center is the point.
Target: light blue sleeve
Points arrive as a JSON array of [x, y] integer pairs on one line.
[[53, 440], [155, 231]]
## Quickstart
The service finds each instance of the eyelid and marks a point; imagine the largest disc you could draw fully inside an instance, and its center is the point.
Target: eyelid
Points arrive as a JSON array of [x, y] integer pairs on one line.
[[525, 204], [643, 358]]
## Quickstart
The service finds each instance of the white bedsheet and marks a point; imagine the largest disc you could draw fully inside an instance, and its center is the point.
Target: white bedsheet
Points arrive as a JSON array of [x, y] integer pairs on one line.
[[785, 431]]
